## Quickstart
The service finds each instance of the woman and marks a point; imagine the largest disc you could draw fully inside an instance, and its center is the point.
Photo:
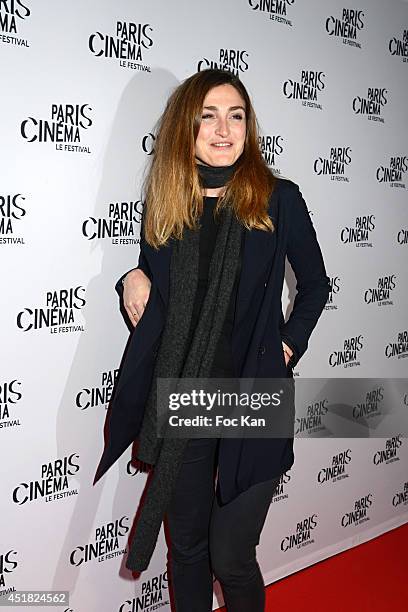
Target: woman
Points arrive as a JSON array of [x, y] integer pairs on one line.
[[205, 301]]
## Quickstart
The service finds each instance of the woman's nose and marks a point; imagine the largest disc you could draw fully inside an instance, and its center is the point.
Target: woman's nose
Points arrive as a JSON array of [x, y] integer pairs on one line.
[[222, 127]]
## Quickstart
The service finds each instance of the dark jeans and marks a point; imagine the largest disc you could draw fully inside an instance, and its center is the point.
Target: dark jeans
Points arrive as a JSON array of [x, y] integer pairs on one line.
[[209, 538]]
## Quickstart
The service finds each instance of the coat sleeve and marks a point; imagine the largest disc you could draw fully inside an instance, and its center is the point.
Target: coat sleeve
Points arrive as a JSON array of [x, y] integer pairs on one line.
[[142, 263], [312, 283]]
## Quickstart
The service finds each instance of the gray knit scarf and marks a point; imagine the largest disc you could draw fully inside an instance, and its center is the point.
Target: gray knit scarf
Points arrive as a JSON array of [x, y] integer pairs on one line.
[[179, 358]]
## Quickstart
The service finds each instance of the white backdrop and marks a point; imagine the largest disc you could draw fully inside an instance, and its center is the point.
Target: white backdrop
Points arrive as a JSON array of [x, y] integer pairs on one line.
[[82, 85]]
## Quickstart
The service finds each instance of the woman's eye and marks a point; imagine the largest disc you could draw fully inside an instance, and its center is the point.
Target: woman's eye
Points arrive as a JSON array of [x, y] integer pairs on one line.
[[212, 117]]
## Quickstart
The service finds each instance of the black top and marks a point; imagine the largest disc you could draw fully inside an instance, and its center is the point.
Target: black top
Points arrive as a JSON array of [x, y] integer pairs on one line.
[[222, 365]]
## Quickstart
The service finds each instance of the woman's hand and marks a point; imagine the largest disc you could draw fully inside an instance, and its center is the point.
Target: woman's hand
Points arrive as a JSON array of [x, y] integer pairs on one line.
[[136, 291], [287, 353]]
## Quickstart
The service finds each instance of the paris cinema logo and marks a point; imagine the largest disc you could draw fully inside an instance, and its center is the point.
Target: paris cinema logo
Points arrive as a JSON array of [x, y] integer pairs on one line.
[[359, 514], [347, 27], [54, 482], [89, 397], [390, 452], [280, 493], [398, 47], [8, 564], [129, 44], [12, 210], [276, 9], [372, 105], [370, 406], [59, 313], [153, 595], [393, 174], [381, 294], [398, 347], [348, 354], [336, 470], [335, 165], [360, 234], [308, 88], [10, 395], [335, 286], [66, 126], [119, 225], [311, 421], [107, 543], [271, 149], [12, 14], [401, 497], [303, 536], [233, 60]]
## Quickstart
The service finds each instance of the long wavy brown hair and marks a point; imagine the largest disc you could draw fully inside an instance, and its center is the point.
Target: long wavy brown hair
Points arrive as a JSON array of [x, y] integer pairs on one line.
[[173, 190]]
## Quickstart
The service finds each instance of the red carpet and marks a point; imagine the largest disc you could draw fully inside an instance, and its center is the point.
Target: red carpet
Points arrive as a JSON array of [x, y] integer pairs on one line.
[[371, 576]]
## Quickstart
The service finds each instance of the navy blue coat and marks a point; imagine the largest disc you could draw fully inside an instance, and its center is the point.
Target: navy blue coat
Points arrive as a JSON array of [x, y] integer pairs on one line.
[[258, 331]]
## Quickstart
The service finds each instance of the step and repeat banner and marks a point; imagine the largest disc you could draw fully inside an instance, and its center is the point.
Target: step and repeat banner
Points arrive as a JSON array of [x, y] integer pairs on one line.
[[82, 86]]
